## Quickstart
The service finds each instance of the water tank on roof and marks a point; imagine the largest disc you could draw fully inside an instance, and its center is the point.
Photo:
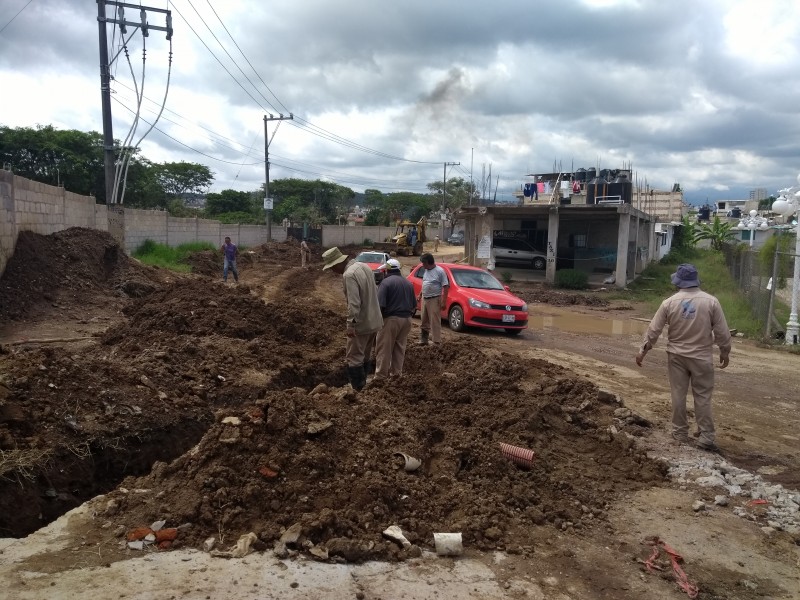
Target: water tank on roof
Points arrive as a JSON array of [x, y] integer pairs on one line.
[[704, 214], [580, 175], [591, 173], [605, 173], [736, 213], [621, 178]]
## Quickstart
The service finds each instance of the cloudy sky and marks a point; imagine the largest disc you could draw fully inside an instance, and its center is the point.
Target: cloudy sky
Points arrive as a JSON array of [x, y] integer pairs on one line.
[[705, 93]]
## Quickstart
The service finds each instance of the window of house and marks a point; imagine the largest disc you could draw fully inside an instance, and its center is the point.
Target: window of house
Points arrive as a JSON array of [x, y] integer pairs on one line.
[[577, 240]]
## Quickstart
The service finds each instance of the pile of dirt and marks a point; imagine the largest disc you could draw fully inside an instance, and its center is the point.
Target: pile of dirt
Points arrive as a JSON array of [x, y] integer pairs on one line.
[[241, 408], [279, 255], [77, 267], [74, 422], [543, 295], [323, 462]]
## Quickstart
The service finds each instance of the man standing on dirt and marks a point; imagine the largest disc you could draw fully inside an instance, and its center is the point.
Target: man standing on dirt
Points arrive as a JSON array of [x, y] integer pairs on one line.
[[436, 244], [432, 299], [363, 313], [397, 301], [229, 253], [305, 253], [695, 322]]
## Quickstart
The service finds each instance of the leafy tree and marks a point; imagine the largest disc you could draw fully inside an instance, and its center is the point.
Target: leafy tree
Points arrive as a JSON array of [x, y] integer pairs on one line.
[[183, 177], [717, 232], [227, 201], [372, 197], [49, 155], [177, 208], [458, 193], [766, 203], [322, 200]]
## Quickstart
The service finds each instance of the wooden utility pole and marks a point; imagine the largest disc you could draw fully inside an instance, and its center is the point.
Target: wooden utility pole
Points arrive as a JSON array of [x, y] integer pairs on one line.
[[267, 141]]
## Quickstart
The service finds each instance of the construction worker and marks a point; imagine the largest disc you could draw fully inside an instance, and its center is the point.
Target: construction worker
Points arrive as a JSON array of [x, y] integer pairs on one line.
[[695, 322], [363, 313], [229, 253], [432, 299], [397, 302], [305, 253]]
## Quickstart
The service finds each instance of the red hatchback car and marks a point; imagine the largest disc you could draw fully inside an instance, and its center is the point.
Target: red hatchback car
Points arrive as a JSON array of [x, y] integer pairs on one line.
[[477, 299]]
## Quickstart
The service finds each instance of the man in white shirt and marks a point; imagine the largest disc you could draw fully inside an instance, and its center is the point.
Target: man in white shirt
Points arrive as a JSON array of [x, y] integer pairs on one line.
[[433, 298]]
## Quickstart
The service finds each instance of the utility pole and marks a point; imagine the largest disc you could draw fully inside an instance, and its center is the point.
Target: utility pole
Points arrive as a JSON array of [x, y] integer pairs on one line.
[[105, 72], [267, 141]]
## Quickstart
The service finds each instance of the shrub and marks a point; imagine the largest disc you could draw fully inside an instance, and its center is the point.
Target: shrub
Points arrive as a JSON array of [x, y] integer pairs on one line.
[[507, 277], [572, 279], [367, 242]]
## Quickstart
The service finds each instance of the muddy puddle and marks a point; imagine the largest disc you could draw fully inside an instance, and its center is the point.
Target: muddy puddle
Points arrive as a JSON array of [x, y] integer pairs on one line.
[[568, 320]]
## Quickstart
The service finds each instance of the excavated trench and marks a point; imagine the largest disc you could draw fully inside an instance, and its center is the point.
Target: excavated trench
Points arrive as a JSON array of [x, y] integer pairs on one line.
[[32, 497]]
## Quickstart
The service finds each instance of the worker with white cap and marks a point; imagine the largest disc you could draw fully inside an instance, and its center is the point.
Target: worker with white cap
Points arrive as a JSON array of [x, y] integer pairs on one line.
[[397, 302]]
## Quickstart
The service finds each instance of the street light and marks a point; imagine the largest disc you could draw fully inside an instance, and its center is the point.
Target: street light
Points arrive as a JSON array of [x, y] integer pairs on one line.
[[787, 204], [752, 222]]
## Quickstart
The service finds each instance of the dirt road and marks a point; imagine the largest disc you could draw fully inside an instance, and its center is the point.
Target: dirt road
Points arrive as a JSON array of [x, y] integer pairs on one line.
[[222, 410]]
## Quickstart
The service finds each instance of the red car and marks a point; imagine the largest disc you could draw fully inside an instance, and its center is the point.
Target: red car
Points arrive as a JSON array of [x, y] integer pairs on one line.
[[477, 299], [373, 261]]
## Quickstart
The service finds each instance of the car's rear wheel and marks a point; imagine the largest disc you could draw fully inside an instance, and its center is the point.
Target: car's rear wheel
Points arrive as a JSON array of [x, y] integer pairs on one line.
[[539, 263], [456, 318]]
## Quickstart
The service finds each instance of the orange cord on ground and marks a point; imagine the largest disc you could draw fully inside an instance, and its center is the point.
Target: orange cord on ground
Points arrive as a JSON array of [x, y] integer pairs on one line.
[[680, 575]]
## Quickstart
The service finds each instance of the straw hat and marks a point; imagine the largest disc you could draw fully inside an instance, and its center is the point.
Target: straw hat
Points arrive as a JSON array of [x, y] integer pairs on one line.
[[332, 257]]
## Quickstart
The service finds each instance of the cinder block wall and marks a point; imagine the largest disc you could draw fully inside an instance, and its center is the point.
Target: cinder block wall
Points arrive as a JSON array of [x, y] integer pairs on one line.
[[343, 235], [141, 225]]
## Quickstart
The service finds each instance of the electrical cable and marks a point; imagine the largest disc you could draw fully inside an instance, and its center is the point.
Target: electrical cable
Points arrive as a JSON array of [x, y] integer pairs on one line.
[[15, 16], [298, 122]]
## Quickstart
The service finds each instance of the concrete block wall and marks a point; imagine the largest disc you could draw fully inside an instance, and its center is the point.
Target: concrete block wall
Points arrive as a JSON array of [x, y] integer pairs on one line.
[[343, 235], [79, 211], [141, 225], [8, 227], [181, 230], [39, 207]]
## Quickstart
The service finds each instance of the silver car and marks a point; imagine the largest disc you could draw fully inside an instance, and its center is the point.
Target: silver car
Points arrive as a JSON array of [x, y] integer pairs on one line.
[[518, 252]]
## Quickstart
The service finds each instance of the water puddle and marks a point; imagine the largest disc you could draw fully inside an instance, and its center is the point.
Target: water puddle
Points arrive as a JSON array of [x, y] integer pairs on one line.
[[580, 323]]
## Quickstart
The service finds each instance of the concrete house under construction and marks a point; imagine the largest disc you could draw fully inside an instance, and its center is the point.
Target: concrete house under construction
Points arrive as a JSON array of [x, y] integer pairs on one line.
[[594, 222]]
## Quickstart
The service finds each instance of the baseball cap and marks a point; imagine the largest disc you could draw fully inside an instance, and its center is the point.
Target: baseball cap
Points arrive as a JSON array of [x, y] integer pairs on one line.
[[391, 264]]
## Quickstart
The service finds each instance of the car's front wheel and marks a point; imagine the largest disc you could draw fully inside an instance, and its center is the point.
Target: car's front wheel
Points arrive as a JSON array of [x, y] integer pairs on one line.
[[456, 318], [539, 263]]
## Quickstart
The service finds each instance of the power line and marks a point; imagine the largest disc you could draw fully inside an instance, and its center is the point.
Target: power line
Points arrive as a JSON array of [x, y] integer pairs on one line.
[[15, 16], [299, 122]]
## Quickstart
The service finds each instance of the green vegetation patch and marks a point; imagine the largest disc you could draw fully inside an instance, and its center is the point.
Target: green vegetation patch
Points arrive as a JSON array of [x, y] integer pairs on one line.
[[169, 257]]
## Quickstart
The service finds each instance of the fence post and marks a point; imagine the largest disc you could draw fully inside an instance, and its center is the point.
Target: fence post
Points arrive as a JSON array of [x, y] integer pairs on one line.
[[772, 289]]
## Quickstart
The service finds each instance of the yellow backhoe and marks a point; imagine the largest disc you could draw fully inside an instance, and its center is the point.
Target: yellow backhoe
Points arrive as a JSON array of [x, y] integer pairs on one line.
[[407, 240]]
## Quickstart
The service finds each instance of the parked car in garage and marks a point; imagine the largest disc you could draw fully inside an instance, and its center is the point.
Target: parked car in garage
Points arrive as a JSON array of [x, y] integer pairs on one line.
[[374, 260], [518, 252], [457, 239], [477, 299]]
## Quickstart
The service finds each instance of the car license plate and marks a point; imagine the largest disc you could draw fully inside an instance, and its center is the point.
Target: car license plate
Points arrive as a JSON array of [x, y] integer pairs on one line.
[[508, 318]]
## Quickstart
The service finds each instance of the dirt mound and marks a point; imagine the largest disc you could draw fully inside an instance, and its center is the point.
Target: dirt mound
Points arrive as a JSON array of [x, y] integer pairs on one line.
[[324, 461], [270, 254], [559, 298], [75, 267]]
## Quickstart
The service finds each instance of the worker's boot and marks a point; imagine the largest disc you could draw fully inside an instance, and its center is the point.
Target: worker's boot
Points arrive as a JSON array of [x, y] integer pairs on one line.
[[357, 377], [369, 367], [423, 340]]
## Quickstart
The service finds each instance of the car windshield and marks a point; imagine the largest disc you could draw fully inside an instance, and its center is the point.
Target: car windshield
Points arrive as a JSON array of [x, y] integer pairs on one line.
[[476, 279], [370, 257]]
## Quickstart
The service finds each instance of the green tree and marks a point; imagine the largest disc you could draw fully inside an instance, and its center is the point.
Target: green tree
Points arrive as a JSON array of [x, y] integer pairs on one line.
[[457, 193], [228, 201], [49, 155], [183, 177], [323, 200], [717, 232]]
